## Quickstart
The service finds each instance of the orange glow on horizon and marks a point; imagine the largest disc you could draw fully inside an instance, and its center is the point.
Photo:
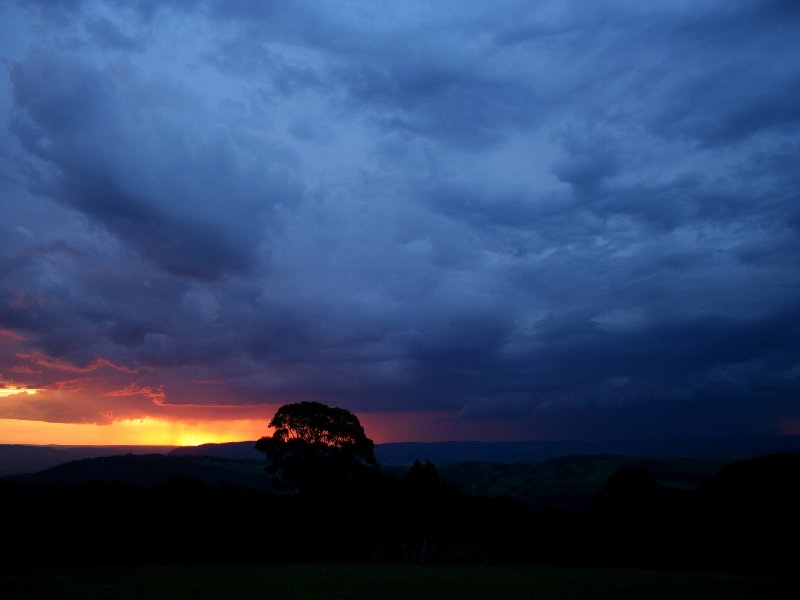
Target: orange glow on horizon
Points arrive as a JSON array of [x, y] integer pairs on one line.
[[405, 426], [11, 391], [130, 432], [150, 431]]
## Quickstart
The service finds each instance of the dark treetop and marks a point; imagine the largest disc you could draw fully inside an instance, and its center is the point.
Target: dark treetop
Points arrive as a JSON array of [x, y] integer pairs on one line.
[[315, 445]]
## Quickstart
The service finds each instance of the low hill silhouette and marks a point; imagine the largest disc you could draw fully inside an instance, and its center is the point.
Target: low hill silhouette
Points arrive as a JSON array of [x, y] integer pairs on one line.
[[564, 482], [767, 483], [16, 459], [149, 470], [231, 450], [571, 481]]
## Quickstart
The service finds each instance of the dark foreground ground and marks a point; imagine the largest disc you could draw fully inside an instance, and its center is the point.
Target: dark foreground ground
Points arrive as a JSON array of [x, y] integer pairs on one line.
[[345, 581]]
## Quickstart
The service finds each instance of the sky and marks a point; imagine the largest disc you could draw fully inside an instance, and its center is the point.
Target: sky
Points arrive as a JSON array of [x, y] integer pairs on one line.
[[458, 219]]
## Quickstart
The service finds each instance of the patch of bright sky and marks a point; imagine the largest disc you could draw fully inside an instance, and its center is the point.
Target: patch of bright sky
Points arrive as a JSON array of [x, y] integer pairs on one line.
[[147, 431]]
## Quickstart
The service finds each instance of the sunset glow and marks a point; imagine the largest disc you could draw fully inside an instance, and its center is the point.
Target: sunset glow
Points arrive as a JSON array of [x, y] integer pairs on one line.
[[412, 426], [147, 431], [11, 391]]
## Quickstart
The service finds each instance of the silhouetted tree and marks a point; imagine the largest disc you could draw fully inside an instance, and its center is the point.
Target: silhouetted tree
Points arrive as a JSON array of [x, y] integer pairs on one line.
[[430, 502], [317, 447], [630, 491]]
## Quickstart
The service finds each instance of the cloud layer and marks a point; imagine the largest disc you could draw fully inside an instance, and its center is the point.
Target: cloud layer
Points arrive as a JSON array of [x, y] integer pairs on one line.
[[584, 220]]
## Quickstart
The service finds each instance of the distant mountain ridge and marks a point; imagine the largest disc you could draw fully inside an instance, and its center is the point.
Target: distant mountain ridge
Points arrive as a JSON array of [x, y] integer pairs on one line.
[[16, 459], [147, 470], [443, 453], [19, 459], [571, 482], [230, 450]]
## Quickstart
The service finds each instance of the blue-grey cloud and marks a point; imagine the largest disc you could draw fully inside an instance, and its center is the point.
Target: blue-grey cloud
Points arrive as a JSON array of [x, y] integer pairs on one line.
[[582, 218], [188, 198]]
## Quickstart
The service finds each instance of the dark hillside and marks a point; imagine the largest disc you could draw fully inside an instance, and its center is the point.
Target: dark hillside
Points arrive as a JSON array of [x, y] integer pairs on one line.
[[153, 469], [16, 459], [570, 481], [231, 450], [742, 519]]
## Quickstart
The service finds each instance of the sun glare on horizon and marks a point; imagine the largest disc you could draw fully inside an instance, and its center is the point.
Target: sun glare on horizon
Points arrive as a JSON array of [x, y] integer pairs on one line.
[[13, 391], [130, 432]]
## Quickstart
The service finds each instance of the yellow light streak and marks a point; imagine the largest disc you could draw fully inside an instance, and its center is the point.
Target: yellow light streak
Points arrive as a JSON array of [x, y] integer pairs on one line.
[[13, 391], [124, 432]]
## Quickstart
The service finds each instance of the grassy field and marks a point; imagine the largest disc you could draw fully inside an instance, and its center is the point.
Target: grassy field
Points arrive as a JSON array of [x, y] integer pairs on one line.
[[287, 582]]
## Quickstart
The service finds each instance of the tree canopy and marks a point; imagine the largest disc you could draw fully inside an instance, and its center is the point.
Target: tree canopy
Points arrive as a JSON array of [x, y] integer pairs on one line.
[[314, 445]]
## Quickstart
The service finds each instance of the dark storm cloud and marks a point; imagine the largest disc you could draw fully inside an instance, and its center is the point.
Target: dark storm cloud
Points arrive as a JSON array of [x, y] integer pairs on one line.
[[188, 204], [105, 33], [458, 106], [558, 213]]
